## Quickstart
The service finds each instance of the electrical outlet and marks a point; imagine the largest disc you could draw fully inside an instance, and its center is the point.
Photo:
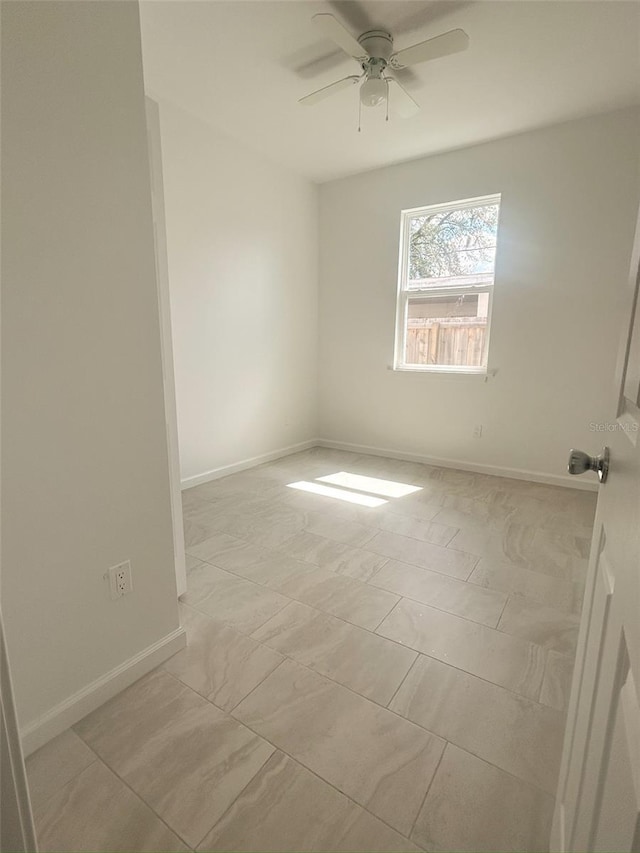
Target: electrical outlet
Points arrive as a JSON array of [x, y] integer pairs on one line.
[[477, 431], [120, 581]]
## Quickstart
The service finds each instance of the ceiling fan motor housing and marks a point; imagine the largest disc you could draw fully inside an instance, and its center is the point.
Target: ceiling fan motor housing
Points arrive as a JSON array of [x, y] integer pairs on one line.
[[378, 44]]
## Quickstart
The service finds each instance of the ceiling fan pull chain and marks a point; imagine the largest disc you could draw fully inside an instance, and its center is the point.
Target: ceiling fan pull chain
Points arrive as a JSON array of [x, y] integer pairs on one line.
[[387, 115], [359, 115]]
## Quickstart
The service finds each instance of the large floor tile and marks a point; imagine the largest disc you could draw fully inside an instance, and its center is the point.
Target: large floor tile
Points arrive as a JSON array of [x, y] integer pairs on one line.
[[191, 500], [375, 757], [201, 580], [201, 521], [55, 764], [312, 502], [546, 626], [516, 734], [192, 563], [348, 598], [236, 601], [273, 569], [425, 531], [447, 561], [199, 576], [438, 590], [472, 806], [556, 684], [556, 496], [187, 759], [362, 661], [561, 554], [412, 508], [551, 516], [246, 504], [515, 580], [264, 475], [508, 661], [227, 552], [96, 812], [331, 526], [555, 509], [335, 556], [397, 470], [343, 511], [381, 486], [455, 477], [219, 662], [269, 527], [582, 505], [286, 809], [244, 485], [458, 511]]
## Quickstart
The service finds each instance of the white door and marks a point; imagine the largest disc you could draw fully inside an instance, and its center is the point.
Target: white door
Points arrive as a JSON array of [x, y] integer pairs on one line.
[[162, 275], [598, 798], [17, 834]]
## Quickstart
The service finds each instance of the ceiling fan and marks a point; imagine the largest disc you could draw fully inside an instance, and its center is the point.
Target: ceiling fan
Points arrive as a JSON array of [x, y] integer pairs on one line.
[[373, 51]]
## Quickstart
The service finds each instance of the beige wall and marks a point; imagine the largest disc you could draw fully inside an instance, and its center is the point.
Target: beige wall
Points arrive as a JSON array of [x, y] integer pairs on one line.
[[569, 200], [243, 273], [84, 457]]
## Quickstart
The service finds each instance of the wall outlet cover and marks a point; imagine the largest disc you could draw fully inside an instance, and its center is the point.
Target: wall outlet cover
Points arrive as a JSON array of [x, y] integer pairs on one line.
[[120, 580]]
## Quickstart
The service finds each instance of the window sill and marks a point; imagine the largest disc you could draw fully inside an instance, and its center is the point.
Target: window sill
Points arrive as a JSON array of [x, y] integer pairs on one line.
[[481, 374]]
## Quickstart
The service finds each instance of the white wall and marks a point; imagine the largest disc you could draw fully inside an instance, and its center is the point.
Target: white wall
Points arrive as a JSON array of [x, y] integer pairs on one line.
[[569, 200], [84, 456], [242, 248]]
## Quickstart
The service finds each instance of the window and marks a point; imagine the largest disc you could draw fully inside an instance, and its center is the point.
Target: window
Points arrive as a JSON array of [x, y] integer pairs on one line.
[[447, 259]]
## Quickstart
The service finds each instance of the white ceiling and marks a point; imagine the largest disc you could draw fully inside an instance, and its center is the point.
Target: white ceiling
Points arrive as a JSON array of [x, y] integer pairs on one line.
[[242, 65]]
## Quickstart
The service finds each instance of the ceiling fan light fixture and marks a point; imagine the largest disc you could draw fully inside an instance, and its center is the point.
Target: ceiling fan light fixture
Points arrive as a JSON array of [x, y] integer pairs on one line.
[[373, 92], [374, 53]]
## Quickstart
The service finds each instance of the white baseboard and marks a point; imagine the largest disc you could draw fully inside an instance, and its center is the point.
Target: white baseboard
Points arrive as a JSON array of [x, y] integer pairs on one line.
[[67, 713], [225, 470], [565, 480]]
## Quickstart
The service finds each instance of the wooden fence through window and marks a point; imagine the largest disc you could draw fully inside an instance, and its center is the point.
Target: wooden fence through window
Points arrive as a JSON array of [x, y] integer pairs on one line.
[[454, 342]]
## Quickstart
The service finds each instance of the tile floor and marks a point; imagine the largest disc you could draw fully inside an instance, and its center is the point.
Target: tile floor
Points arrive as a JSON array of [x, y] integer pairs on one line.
[[357, 679]]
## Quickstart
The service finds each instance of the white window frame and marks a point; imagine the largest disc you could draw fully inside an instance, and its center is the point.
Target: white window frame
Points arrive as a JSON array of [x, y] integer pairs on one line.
[[455, 287]]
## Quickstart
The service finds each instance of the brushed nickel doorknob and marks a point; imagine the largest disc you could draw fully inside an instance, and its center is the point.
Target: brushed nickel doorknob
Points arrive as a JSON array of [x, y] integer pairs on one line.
[[579, 462]]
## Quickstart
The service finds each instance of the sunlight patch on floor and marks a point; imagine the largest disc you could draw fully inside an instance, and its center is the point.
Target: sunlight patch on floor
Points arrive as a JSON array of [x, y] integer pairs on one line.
[[388, 488], [328, 491]]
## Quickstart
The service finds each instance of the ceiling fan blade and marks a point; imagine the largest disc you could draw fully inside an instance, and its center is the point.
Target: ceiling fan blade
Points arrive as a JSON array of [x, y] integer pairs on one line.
[[452, 42], [353, 13], [401, 100], [406, 76], [321, 94], [333, 29]]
